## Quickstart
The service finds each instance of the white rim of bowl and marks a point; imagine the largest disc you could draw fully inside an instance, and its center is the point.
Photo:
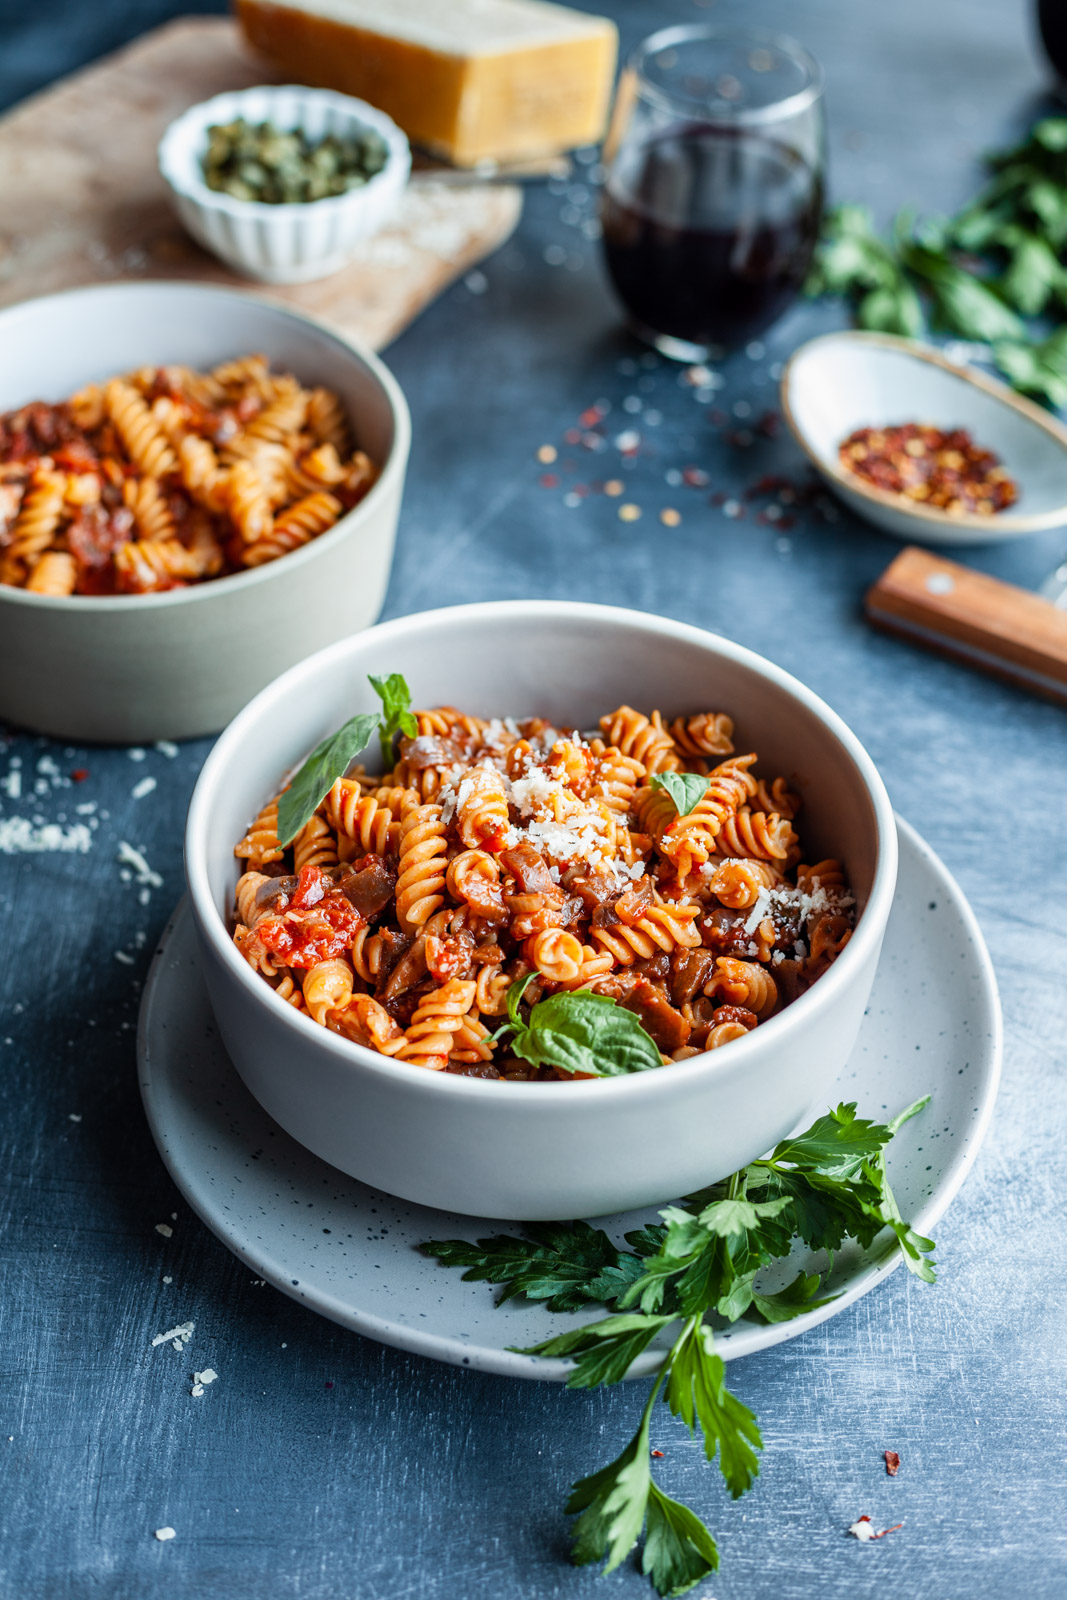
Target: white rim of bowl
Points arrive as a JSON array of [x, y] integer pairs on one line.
[[193, 186], [823, 994], [852, 483], [212, 588]]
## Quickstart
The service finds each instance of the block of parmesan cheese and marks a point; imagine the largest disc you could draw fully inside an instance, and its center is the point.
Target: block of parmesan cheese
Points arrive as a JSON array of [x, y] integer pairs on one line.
[[472, 80]]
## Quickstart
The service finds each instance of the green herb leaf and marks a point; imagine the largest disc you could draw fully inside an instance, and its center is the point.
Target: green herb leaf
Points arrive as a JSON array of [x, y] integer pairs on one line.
[[604, 1351], [696, 1391], [836, 1144], [679, 1550], [963, 302], [686, 789], [612, 1504], [1033, 274], [565, 1264], [794, 1300], [1039, 369], [578, 1031], [396, 711], [328, 761]]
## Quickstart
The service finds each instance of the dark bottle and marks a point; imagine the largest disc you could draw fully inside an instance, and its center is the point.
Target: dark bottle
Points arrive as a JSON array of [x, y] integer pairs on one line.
[[709, 233], [1052, 22]]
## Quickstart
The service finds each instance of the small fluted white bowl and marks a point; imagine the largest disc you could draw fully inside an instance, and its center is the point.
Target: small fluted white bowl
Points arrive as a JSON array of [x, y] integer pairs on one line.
[[282, 243], [543, 1150]]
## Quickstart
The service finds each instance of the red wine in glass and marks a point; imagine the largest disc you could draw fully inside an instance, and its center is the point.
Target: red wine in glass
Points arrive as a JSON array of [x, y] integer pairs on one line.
[[708, 234]]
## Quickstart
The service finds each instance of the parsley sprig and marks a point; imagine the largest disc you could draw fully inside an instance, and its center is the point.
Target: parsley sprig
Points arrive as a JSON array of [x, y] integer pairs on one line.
[[978, 275], [701, 1261]]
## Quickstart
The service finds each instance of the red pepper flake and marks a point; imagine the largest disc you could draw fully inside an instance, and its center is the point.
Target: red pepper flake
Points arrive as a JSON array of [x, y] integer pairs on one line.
[[549, 480], [695, 477], [572, 436], [329, 1384], [590, 417], [892, 1462], [658, 1454], [80, 774], [932, 466]]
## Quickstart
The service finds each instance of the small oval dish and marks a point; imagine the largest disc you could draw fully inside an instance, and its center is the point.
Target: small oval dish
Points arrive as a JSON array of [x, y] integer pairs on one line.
[[294, 243], [843, 381]]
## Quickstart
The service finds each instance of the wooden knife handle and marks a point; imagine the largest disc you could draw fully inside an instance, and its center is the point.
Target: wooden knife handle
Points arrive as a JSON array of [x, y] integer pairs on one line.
[[976, 619]]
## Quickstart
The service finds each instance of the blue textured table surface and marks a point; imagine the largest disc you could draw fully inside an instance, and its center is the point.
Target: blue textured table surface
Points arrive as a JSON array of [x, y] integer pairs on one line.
[[321, 1465]]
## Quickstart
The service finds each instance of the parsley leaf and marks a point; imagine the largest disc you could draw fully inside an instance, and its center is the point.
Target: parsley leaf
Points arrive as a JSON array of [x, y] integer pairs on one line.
[[328, 761], [679, 1550], [578, 1031], [397, 716], [696, 1391], [686, 789], [613, 1501], [565, 1264], [1039, 369]]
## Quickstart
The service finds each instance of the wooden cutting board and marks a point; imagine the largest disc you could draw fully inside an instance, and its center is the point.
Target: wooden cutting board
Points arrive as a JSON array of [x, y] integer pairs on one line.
[[81, 200]]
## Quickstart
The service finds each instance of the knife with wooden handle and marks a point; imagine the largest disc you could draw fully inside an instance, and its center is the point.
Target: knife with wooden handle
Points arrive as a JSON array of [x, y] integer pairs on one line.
[[974, 618]]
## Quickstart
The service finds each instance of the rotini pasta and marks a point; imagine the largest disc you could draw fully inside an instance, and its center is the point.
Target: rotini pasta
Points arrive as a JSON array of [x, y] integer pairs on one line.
[[168, 477], [500, 852]]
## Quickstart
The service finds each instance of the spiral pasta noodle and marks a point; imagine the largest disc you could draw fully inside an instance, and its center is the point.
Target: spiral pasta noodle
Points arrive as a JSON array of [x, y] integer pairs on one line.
[[222, 471], [546, 859]]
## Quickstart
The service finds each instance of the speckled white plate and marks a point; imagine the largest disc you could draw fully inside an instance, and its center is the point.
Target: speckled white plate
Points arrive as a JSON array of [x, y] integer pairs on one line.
[[932, 1026]]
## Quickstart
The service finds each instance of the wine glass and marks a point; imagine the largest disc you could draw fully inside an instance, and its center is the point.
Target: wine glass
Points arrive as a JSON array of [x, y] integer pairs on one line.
[[713, 191]]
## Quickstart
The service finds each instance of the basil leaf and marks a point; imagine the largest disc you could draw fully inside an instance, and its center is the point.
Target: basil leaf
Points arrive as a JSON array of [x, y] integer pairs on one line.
[[396, 710], [686, 789], [577, 1031], [328, 761]]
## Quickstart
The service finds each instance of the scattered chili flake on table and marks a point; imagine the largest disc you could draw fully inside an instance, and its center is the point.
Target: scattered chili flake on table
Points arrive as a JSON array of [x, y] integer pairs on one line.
[[936, 467], [892, 1462], [80, 774]]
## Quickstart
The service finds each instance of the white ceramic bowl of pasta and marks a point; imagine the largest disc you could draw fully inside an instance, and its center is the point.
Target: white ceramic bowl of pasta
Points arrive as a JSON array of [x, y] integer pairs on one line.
[[283, 243], [543, 1150], [132, 668]]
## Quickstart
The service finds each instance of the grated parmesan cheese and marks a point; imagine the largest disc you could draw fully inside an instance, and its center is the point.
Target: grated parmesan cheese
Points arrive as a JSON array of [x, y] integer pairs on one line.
[[145, 786], [183, 1332], [165, 1229], [20, 836], [163, 1534], [133, 858]]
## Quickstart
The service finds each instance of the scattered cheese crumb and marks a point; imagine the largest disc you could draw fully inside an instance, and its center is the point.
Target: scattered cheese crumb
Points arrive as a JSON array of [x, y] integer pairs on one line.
[[74, 1116], [629, 512], [19, 836], [127, 960], [11, 783], [165, 1229], [145, 786], [207, 1376], [163, 1534], [175, 1335], [669, 517], [133, 858], [168, 1279], [167, 748], [197, 1390], [136, 754]]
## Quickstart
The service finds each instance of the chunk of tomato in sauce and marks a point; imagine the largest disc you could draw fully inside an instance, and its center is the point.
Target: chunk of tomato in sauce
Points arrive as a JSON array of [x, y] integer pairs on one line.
[[317, 922]]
